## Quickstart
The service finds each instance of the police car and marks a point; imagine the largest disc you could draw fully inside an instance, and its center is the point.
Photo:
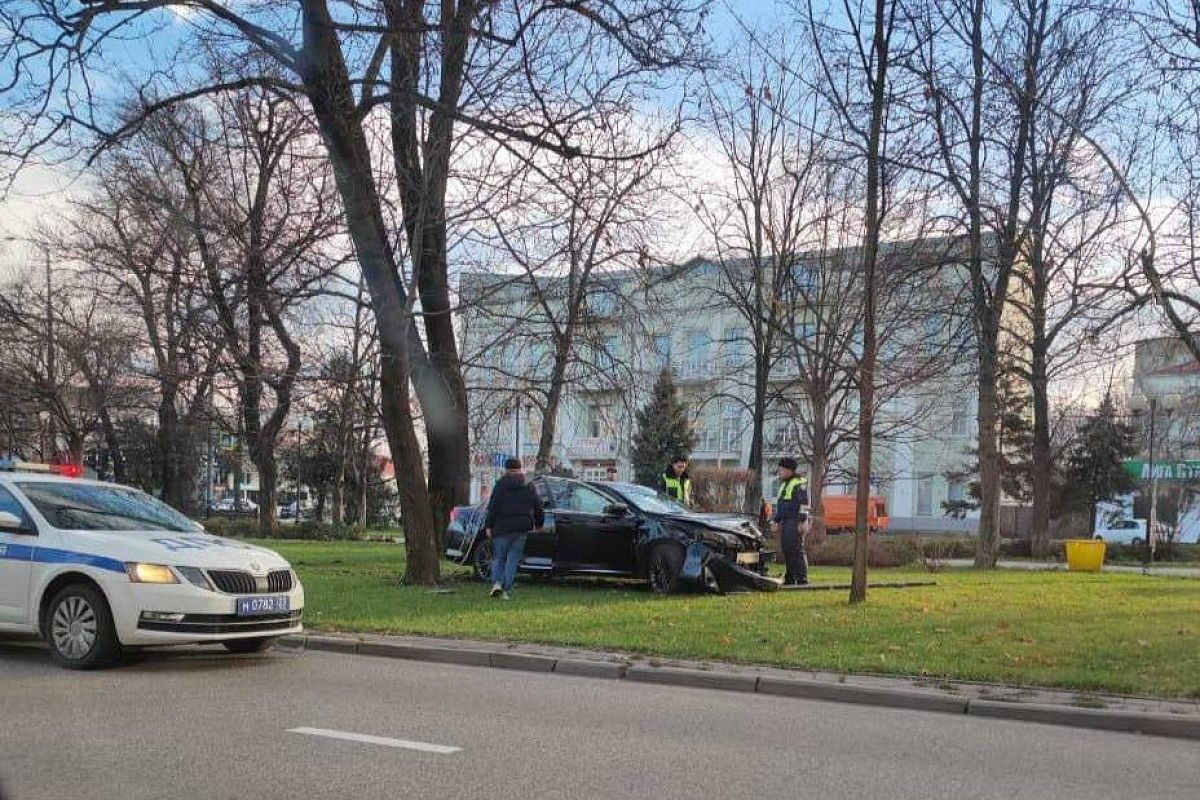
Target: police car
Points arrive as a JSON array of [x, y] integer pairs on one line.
[[94, 567]]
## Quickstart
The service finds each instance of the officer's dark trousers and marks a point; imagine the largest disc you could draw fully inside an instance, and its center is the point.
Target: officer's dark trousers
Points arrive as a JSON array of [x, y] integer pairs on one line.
[[793, 552]]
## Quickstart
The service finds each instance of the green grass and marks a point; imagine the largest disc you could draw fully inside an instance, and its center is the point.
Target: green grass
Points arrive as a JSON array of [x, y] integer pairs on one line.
[[1118, 633]]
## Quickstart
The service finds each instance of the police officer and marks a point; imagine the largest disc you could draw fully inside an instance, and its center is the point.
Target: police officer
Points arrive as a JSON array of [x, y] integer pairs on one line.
[[791, 512], [676, 483]]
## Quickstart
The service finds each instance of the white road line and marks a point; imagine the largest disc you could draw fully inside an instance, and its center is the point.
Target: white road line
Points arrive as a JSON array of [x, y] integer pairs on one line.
[[403, 744]]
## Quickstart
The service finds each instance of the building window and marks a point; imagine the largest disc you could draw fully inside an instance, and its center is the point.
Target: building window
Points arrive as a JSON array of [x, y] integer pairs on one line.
[[597, 427], [961, 418], [956, 492], [925, 496], [662, 349], [733, 342], [698, 344], [731, 426], [805, 276]]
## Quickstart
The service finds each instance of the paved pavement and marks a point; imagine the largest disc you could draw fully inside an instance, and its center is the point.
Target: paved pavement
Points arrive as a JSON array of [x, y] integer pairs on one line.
[[1049, 566], [199, 723]]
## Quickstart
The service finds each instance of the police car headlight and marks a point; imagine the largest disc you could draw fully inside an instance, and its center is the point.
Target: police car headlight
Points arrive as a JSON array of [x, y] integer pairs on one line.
[[150, 573]]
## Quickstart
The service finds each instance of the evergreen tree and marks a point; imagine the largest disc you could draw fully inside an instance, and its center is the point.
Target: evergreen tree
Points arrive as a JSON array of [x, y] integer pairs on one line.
[[663, 432], [1016, 450], [1095, 463]]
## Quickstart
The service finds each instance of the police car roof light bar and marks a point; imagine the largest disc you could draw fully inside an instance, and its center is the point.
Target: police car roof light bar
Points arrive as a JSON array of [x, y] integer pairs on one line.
[[65, 470]]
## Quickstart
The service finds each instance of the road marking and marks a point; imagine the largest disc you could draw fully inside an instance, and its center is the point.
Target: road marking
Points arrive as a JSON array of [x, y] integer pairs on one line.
[[403, 744]]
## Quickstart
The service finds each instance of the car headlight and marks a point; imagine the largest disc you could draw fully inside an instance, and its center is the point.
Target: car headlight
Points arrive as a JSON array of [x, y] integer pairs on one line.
[[149, 573]]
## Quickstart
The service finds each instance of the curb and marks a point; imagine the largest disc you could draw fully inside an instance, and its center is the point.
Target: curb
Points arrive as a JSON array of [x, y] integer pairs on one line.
[[1176, 726]]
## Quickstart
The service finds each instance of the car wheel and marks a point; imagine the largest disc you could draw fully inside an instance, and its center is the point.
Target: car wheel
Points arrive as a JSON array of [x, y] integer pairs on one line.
[[1098, 538], [481, 562], [1137, 540], [256, 645], [662, 570], [79, 629]]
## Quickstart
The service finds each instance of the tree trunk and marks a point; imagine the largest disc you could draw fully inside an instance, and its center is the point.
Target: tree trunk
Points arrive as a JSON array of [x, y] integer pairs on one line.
[[169, 451], [268, 490], [1042, 465], [988, 548], [113, 444], [553, 400], [866, 382], [754, 464], [819, 467], [327, 86]]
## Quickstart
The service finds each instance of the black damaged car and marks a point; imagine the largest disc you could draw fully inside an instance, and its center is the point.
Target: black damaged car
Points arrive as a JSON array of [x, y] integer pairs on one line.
[[620, 529]]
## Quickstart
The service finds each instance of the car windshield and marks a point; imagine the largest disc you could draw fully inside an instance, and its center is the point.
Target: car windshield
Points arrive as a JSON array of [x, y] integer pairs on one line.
[[86, 507], [646, 499]]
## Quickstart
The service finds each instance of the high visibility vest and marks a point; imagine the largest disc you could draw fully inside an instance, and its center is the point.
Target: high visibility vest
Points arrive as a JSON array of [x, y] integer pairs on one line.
[[789, 487], [681, 490]]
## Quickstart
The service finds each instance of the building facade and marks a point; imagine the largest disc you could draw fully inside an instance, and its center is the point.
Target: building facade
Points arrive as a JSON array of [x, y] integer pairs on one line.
[[634, 324]]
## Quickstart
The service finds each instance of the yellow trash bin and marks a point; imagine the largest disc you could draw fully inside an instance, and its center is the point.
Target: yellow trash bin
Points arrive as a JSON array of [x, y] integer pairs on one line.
[[1085, 555]]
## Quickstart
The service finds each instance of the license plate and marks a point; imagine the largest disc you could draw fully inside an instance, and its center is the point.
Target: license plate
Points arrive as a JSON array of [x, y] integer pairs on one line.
[[747, 558], [258, 606]]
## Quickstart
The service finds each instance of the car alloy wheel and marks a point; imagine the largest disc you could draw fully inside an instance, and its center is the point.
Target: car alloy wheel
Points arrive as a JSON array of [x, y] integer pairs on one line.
[[662, 571], [73, 627]]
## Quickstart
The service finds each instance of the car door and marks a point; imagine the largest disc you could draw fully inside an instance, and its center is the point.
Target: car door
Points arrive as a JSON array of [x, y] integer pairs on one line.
[[540, 545], [589, 539], [16, 562]]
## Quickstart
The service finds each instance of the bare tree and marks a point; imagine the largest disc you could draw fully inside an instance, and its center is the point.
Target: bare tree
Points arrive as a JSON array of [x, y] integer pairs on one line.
[[579, 233], [514, 71], [855, 52], [767, 123]]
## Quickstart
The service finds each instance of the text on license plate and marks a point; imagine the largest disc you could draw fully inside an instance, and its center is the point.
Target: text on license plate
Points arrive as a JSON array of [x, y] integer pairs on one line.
[[747, 558], [256, 606]]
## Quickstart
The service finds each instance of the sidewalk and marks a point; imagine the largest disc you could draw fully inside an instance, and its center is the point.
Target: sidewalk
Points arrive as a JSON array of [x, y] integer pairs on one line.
[[1044, 566], [1163, 717]]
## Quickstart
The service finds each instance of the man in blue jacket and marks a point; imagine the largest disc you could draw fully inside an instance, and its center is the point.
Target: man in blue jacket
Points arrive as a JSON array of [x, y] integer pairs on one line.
[[791, 512], [514, 511]]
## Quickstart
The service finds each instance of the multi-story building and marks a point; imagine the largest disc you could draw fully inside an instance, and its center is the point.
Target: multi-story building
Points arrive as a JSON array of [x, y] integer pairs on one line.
[[632, 324]]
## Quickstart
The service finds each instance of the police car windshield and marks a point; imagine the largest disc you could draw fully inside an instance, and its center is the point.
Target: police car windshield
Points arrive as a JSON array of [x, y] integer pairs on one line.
[[85, 507]]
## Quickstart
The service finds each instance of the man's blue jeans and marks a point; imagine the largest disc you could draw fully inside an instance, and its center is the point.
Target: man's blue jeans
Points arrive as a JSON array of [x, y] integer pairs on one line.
[[507, 552]]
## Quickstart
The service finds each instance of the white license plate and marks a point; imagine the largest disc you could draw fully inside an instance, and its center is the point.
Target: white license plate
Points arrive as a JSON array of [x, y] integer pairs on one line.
[[747, 558], [258, 606]]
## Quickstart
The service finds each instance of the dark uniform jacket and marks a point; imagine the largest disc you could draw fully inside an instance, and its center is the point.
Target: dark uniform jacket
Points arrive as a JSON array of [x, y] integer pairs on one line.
[[514, 507]]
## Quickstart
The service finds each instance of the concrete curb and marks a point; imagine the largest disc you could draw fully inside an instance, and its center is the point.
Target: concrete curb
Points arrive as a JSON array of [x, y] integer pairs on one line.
[[1179, 726]]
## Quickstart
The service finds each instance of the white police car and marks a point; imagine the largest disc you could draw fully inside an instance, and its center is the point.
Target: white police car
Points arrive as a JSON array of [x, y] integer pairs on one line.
[[94, 567]]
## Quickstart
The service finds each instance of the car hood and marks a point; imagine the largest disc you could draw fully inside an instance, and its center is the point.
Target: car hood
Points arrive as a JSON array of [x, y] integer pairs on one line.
[[741, 527], [178, 549]]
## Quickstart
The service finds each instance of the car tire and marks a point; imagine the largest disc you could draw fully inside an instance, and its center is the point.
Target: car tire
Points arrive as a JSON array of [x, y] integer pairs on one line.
[[79, 629], [259, 644], [481, 560], [663, 568], [1098, 538], [1136, 541]]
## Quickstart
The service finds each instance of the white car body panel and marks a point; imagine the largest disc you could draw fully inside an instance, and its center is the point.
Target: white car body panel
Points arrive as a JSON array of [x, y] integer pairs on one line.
[[29, 565]]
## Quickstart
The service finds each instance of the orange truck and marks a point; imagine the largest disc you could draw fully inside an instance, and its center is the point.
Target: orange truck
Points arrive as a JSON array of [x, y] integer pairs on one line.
[[839, 513]]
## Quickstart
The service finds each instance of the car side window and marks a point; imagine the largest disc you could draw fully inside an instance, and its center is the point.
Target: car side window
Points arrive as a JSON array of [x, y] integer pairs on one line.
[[544, 493], [10, 504], [586, 500]]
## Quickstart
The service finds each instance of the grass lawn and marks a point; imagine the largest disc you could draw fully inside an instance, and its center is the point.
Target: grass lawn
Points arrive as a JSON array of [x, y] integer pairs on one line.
[[1116, 633]]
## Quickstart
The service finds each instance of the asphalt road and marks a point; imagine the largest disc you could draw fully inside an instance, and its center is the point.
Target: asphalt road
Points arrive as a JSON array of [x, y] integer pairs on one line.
[[204, 724]]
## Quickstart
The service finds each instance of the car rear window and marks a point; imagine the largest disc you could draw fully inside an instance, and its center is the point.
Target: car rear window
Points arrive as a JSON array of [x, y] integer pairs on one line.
[[86, 507]]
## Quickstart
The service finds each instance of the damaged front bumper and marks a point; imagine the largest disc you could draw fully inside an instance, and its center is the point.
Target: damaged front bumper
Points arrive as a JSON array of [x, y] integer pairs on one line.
[[709, 569]]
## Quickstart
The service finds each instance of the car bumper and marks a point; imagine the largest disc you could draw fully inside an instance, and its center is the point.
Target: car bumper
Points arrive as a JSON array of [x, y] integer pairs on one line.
[[701, 559], [207, 616]]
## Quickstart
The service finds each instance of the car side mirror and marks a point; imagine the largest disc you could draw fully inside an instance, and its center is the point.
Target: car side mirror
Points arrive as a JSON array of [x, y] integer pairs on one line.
[[11, 523], [616, 510]]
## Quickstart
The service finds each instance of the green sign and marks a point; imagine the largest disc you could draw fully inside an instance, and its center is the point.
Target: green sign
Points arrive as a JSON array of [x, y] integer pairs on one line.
[[1165, 470]]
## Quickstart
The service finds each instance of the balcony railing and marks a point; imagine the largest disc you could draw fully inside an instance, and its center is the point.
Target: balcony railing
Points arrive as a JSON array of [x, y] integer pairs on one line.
[[592, 447]]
